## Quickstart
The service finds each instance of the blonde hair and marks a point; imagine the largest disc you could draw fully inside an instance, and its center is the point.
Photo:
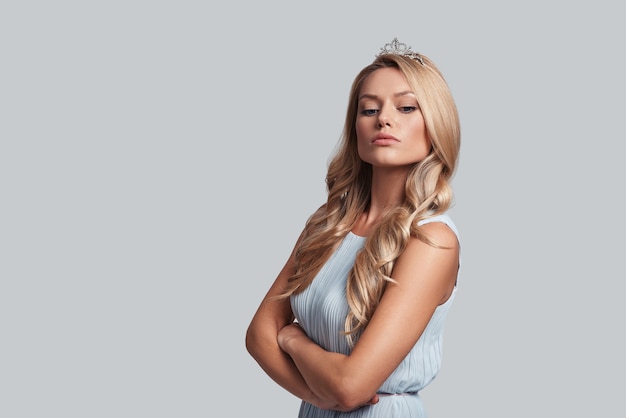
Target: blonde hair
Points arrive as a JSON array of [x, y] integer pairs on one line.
[[348, 180]]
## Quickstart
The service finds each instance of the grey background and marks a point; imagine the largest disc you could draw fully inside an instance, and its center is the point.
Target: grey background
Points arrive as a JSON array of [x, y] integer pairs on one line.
[[158, 159]]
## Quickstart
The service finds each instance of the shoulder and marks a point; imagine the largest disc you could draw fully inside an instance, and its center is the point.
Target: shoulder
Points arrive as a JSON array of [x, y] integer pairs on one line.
[[437, 238], [430, 260], [440, 229]]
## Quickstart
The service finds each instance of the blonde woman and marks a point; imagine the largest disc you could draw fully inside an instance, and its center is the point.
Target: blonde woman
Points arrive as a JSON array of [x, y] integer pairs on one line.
[[353, 324]]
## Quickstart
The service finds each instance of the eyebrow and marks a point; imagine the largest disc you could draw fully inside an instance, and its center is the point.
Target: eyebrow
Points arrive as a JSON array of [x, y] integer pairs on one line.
[[373, 96]]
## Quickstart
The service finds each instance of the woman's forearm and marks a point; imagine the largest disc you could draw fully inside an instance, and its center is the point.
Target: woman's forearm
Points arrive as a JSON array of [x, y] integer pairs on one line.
[[325, 373], [278, 365]]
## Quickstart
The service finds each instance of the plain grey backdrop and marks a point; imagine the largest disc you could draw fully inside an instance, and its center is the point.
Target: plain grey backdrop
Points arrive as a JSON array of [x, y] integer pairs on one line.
[[159, 158]]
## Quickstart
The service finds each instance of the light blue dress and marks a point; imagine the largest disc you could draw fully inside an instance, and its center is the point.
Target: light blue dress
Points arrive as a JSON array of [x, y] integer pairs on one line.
[[321, 310]]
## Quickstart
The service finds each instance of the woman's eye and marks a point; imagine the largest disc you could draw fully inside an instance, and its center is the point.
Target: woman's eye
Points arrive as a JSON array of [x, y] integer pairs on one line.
[[369, 112], [407, 109]]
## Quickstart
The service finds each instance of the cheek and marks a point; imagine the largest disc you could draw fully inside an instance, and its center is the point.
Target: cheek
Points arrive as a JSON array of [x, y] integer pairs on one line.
[[421, 142], [419, 127]]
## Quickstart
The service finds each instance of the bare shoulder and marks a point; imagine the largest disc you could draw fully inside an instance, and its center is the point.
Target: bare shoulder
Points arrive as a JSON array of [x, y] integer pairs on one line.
[[431, 266], [440, 234], [440, 245]]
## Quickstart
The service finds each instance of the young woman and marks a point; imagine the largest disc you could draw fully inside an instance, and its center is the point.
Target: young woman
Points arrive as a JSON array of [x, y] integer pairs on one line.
[[353, 324]]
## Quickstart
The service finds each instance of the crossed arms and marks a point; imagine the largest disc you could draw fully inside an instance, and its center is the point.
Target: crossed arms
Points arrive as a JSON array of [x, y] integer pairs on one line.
[[425, 277]]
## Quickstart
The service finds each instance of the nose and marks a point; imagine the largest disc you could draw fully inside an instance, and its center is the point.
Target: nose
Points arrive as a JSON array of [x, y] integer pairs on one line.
[[384, 118]]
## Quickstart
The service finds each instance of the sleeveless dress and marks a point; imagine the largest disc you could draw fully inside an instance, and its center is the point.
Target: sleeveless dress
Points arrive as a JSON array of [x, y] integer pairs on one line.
[[321, 310]]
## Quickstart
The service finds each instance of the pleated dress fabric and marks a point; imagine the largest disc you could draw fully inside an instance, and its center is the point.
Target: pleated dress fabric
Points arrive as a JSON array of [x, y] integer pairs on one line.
[[321, 310]]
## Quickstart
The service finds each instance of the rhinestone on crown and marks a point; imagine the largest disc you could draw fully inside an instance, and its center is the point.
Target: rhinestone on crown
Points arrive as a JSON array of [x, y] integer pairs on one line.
[[399, 48]]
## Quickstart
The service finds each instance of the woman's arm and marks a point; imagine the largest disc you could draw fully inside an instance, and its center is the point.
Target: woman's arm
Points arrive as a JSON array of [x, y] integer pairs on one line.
[[425, 277], [261, 339], [273, 315]]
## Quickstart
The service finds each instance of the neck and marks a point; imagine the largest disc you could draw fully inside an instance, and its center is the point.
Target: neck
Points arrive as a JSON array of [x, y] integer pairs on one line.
[[387, 193], [387, 190]]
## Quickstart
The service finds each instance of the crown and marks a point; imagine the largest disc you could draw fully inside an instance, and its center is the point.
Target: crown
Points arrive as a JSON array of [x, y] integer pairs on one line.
[[399, 48]]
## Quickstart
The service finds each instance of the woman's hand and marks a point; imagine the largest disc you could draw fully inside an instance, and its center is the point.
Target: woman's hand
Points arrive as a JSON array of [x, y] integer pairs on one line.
[[294, 331], [322, 404]]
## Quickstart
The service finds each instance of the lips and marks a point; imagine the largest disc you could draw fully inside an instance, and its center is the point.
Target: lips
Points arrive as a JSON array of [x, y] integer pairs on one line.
[[384, 139]]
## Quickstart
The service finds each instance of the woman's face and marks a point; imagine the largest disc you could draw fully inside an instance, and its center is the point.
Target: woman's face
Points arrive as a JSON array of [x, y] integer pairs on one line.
[[390, 128]]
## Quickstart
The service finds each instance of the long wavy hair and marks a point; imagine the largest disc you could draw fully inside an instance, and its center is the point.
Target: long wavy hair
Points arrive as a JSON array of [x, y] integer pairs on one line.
[[427, 192]]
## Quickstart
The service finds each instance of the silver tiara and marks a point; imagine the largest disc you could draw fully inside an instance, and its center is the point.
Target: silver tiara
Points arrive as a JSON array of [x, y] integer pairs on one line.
[[398, 48]]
